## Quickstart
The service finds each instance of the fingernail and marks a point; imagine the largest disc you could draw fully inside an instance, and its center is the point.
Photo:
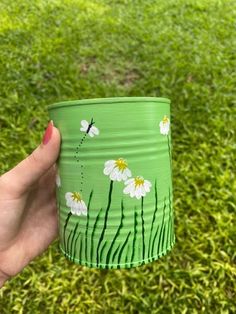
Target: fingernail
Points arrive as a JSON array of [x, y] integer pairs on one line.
[[48, 133]]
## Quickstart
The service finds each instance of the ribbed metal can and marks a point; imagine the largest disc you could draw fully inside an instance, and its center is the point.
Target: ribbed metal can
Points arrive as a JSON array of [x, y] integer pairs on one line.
[[114, 181]]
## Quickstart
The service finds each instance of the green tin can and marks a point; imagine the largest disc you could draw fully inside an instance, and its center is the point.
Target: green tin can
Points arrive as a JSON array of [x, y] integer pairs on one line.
[[114, 181]]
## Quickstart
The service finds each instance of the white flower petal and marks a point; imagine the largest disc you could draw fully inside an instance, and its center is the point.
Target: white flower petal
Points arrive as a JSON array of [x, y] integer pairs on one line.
[[132, 191], [78, 212], [164, 127], [132, 194], [119, 176], [128, 189], [143, 191], [76, 205], [146, 189], [129, 181], [138, 190], [107, 170], [84, 207], [84, 213], [123, 176], [110, 162], [128, 172], [147, 185], [80, 206], [138, 194], [68, 196], [73, 211], [69, 203], [114, 174]]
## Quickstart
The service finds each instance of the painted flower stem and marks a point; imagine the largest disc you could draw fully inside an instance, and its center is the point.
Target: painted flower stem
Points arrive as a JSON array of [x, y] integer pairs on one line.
[[64, 234], [105, 220], [135, 233], [143, 228], [87, 225]]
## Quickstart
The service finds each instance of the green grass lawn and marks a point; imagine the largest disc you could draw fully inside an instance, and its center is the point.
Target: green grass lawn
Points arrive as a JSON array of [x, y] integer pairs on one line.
[[181, 49]]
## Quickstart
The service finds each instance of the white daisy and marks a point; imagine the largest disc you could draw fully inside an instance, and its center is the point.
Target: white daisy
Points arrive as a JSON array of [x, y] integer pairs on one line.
[[165, 126], [58, 180], [89, 128], [76, 204], [137, 187], [117, 170]]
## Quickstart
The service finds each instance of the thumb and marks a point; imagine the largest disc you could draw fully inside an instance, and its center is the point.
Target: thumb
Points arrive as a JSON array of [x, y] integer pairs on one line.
[[29, 171]]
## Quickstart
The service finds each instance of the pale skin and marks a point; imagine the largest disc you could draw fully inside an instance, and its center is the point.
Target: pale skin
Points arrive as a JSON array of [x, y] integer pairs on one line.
[[28, 212]]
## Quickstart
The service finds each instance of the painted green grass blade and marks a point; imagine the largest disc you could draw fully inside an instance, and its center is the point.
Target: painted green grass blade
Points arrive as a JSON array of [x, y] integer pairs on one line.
[[92, 235], [105, 220], [72, 240], [154, 240], [68, 241], [115, 253], [81, 247], [116, 235], [163, 239], [127, 255], [102, 249], [162, 225], [153, 220], [75, 246], [169, 223], [123, 247]]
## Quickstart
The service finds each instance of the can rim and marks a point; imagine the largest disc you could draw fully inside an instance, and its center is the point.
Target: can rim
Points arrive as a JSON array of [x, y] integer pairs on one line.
[[110, 100]]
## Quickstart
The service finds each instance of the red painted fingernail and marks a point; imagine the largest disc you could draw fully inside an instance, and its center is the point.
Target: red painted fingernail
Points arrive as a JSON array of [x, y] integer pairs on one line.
[[48, 133]]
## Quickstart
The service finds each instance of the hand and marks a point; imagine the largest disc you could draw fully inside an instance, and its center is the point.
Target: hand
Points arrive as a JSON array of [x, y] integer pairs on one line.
[[28, 212]]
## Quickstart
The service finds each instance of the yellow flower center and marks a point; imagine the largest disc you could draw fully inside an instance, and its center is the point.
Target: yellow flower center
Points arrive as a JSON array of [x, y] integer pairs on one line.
[[76, 197], [138, 181], [121, 164], [165, 120]]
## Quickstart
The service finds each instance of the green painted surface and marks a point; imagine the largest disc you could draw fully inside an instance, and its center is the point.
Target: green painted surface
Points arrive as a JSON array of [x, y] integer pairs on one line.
[[115, 230]]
